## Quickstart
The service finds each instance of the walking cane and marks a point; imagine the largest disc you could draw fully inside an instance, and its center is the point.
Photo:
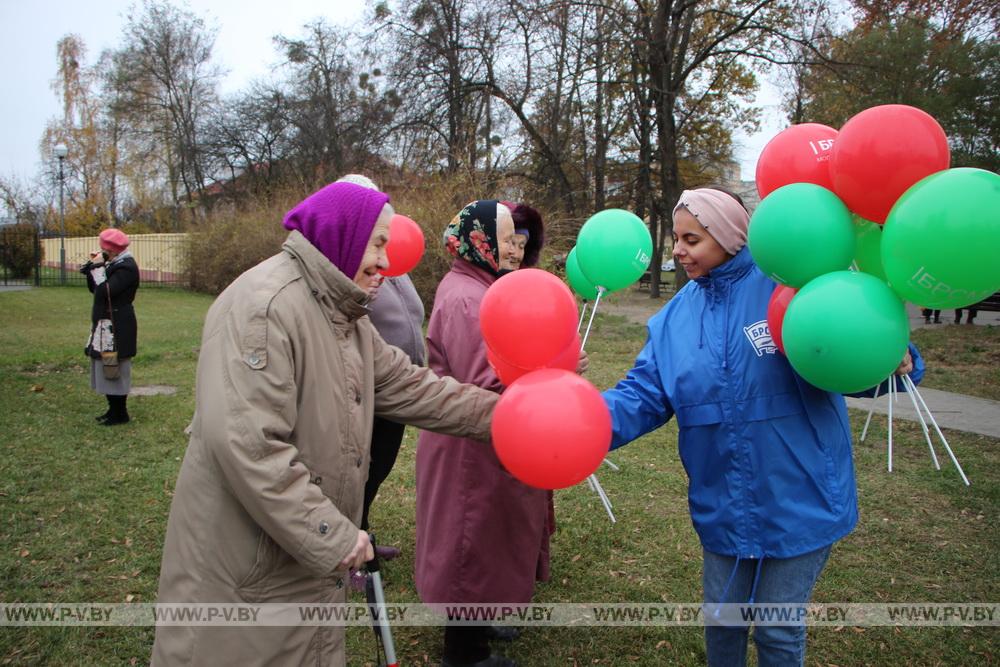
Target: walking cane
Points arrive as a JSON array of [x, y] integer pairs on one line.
[[376, 607]]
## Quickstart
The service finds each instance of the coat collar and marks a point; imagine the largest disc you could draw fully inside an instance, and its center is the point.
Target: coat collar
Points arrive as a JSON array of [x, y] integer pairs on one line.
[[730, 270], [462, 267], [337, 294]]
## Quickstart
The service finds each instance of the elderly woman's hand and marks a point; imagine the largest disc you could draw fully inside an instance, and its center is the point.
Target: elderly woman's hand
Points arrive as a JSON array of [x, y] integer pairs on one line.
[[583, 364], [360, 554], [906, 365]]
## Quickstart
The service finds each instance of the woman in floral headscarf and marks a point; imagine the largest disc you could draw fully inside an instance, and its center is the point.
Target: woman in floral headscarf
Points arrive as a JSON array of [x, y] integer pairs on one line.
[[482, 536]]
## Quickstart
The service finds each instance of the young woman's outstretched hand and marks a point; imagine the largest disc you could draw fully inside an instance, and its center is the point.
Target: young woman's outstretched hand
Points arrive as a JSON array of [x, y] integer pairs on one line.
[[906, 365]]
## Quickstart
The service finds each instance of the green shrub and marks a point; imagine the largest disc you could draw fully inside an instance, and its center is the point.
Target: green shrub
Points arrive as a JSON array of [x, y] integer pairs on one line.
[[17, 249], [434, 201], [230, 242]]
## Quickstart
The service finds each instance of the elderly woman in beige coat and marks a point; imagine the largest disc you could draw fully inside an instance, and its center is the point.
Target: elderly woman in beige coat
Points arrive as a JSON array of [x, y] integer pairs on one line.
[[290, 376]]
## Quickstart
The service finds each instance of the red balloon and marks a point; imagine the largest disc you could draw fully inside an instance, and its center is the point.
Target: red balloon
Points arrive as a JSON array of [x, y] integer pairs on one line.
[[567, 360], [551, 429], [799, 154], [776, 307], [881, 152], [405, 247], [528, 317]]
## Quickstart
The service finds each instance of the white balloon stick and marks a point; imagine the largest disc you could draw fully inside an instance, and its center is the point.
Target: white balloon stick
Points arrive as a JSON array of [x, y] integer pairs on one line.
[[892, 390], [583, 311], [868, 421], [908, 384], [604, 498], [593, 311], [940, 434]]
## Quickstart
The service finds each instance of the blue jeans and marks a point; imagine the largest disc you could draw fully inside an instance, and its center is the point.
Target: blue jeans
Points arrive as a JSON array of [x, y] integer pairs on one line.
[[782, 580]]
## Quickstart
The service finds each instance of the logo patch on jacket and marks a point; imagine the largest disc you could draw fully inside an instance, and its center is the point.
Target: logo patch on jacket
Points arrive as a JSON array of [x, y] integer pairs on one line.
[[760, 337]]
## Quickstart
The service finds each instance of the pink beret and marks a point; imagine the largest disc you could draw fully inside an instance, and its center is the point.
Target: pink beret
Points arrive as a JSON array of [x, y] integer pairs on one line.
[[114, 240]]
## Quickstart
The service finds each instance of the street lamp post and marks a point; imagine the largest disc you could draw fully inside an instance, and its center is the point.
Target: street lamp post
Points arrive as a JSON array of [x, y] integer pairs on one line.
[[60, 151]]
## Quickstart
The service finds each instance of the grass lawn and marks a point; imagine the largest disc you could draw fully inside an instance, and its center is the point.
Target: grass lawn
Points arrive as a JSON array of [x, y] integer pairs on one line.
[[963, 359], [84, 507]]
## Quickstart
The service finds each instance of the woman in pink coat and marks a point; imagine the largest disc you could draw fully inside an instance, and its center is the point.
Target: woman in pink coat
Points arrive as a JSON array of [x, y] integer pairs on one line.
[[482, 536]]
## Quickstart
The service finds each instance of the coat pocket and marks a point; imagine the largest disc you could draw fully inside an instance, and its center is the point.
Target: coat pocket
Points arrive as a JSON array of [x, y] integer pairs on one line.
[[700, 414], [268, 559]]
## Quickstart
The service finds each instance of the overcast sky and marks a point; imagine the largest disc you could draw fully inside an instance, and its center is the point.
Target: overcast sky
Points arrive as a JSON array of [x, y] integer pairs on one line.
[[29, 30]]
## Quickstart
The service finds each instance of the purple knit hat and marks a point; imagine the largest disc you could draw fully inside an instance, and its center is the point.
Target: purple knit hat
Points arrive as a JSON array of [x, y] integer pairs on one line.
[[338, 220]]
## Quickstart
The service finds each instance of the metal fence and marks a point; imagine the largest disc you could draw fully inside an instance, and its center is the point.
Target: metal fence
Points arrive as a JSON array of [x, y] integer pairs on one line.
[[30, 258]]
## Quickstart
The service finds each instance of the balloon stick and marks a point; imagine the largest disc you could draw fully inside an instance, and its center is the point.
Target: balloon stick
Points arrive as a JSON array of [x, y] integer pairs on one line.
[[593, 311], [909, 386], [592, 480], [892, 390], [868, 421], [583, 311], [940, 434], [604, 498]]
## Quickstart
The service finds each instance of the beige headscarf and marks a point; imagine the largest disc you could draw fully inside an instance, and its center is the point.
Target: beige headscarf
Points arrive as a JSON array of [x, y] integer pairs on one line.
[[720, 214]]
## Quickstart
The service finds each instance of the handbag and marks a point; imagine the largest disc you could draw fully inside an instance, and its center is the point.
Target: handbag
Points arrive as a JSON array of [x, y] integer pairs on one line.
[[109, 364], [109, 358]]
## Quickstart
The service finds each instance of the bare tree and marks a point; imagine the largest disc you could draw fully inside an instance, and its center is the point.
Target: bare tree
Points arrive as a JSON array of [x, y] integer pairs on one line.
[[168, 82], [248, 137], [339, 111], [434, 49]]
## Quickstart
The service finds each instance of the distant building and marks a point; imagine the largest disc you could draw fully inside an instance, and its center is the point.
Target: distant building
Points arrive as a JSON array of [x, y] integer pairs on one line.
[[747, 190]]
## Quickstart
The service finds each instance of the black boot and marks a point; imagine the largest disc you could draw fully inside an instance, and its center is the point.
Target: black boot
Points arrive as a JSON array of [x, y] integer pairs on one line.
[[119, 412], [104, 417], [503, 633]]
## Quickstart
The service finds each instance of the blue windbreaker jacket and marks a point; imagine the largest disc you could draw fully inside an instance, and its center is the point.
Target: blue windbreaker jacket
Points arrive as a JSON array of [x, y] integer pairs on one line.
[[768, 455]]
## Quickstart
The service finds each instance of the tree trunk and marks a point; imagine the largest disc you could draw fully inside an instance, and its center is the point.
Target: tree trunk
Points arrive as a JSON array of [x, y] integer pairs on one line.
[[600, 136]]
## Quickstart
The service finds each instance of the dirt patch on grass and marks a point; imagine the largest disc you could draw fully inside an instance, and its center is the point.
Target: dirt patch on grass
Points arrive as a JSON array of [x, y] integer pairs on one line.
[[153, 390]]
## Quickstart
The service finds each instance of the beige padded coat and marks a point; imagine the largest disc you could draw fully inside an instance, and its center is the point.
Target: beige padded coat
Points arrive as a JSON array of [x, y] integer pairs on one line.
[[269, 495]]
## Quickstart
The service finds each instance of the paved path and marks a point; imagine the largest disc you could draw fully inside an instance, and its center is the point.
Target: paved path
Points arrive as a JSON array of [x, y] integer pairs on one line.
[[983, 318], [952, 411]]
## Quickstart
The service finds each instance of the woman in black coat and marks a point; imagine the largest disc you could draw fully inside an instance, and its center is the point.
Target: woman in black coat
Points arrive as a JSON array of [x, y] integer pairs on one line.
[[113, 277]]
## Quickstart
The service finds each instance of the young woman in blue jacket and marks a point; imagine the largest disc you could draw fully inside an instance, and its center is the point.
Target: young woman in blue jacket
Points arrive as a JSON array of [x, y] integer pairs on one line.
[[768, 456]]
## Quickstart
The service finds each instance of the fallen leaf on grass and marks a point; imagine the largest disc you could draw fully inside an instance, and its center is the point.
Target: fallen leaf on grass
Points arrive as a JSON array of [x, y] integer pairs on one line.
[[37, 388]]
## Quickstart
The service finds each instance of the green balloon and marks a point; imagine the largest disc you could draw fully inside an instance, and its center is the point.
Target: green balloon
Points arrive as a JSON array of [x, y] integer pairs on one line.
[[941, 240], [845, 331], [801, 231], [614, 249], [868, 247], [577, 280]]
